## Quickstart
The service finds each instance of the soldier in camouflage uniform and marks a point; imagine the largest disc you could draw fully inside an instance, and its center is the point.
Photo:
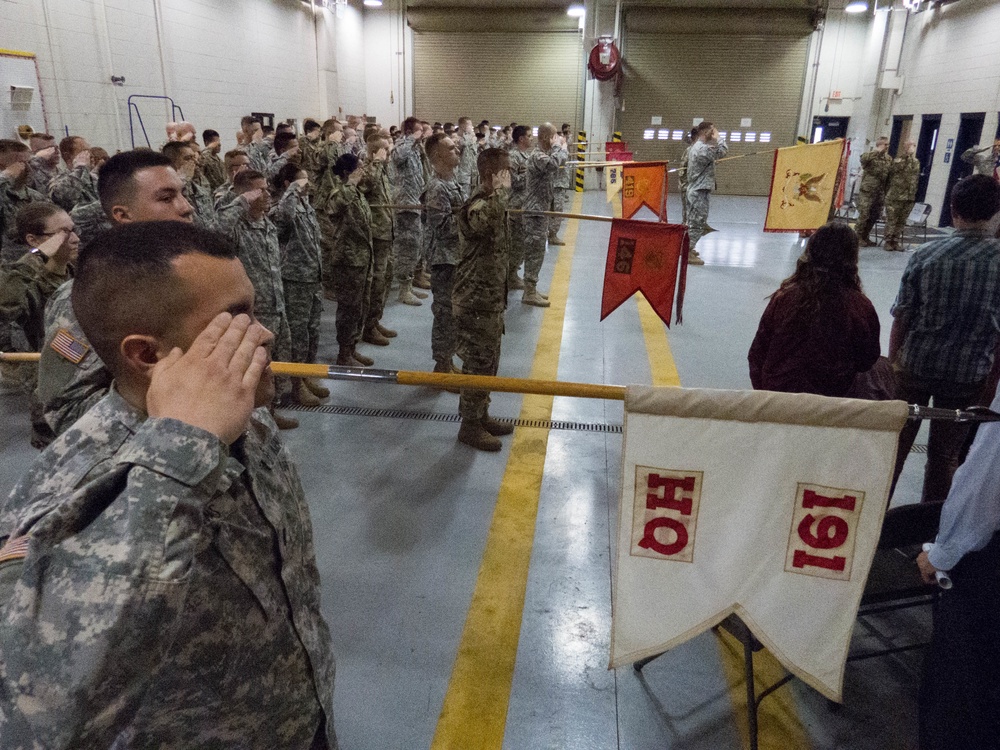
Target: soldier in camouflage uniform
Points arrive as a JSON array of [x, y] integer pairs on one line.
[[444, 196], [871, 196], [348, 211], [44, 162], [899, 198], [408, 186], [14, 193], [377, 190], [985, 161], [479, 295], [707, 148], [210, 164], [301, 273], [518, 157], [256, 239], [136, 186], [544, 163], [310, 148], [682, 174], [465, 137], [76, 185], [89, 220], [250, 140], [235, 162], [185, 162], [562, 183], [169, 596]]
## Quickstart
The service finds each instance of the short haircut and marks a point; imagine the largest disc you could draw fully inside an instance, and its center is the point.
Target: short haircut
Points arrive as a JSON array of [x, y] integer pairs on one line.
[[8, 148], [267, 129], [284, 127], [287, 173], [309, 125], [345, 165], [449, 127], [283, 141], [411, 125], [174, 150], [231, 155], [132, 265], [463, 120], [975, 198], [242, 182], [375, 141], [433, 145], [115, 177], [247, 120], [33, 217], [703, 127], [209, 136], [491, 161], [519, 132], [67, 147]]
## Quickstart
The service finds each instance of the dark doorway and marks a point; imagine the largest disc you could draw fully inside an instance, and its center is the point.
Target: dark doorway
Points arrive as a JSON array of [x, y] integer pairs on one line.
[[969, 130], [901, 127], [829, 128], [929, 127]]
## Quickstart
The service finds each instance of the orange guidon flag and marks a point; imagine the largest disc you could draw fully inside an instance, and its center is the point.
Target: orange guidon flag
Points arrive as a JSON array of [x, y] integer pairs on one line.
[[644, 184], [803, 186], [648, 257]]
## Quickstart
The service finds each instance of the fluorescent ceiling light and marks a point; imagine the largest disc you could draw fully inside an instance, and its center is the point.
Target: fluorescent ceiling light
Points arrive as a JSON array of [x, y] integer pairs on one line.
[[577, 11], [856, 6], [378, 3]]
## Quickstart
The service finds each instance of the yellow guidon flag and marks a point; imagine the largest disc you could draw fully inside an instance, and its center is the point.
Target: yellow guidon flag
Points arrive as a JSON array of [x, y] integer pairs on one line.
[[803, 186]]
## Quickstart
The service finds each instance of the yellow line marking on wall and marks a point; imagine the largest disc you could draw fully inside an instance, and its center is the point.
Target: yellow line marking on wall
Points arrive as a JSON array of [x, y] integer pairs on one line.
[[474, 713]]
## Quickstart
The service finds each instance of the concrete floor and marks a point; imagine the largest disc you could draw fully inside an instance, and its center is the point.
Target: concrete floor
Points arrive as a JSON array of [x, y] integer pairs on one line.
[[402, 514]]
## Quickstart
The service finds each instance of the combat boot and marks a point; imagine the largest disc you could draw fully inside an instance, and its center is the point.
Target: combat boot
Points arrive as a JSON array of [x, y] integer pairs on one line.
[[694, 259], [554, 240], [317, 390], [532, 297], [361, 359], [406, 295], [514, 283], [474, 434], [422, 280], [415, 291], [303, 395], [495, 428], [283, 422], [372, 336], [387, 332], [345, 357]]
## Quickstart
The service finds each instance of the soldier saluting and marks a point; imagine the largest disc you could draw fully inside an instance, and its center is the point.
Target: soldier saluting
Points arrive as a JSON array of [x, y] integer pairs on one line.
[[876, 164], [904, 174]]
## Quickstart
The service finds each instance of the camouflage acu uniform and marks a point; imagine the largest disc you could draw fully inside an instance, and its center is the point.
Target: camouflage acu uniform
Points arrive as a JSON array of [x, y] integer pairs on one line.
[[376, 187], [408, 185], [467, 174], [542, 168], [983, 162], [170, 595], [310, 155], [41, 175], [351, 217], [479, 295], [871, 196], [700, 183], [561, 184], [257, 153], [213, 169], [71, 188], [518, 190], [89, 220], [12, 199], [223, 196], [68, 388], [443, 198], [301, 270], [257, 247], [682, 184], [904, 174], [198, 194]]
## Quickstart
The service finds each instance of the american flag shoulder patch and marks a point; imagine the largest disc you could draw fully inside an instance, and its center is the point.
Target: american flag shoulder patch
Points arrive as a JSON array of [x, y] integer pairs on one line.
[[66, 345], [15, 549]]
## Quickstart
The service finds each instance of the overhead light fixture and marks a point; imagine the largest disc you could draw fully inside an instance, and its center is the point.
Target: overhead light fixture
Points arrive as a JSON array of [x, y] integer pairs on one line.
[[856, 6], [576, 11], [373, 3]]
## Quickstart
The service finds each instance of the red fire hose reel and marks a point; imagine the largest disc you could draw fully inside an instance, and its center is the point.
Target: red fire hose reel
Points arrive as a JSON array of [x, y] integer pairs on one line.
[[605, 60]]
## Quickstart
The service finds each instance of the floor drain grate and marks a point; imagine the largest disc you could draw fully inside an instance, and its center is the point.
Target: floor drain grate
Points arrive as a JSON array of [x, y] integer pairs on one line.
[[363, 411]]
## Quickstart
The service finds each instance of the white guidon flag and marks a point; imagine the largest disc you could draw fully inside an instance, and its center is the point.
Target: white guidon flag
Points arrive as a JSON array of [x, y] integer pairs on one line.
[[764, 504]]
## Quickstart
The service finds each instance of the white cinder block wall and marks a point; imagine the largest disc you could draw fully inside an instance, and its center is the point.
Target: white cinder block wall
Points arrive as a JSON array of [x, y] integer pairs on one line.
[[218, 59]]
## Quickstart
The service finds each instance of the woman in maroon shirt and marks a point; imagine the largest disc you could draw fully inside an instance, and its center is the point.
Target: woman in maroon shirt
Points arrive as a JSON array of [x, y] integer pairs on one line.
[[819, 330]]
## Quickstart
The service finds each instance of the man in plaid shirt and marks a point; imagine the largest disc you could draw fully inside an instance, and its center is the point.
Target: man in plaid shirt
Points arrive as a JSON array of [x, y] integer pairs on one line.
[[946, 330]]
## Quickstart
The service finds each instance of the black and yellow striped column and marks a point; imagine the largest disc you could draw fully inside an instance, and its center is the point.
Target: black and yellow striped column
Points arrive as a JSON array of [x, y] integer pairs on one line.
[[581, 147], [616, 137]]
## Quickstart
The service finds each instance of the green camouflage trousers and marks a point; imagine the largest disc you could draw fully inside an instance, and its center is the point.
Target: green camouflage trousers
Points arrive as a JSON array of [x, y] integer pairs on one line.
[[406, 244], [304, 307], [558, 205], [535, 235], [869, 210], [326, 242], [478, 338], [443, 343], [281, 349], [896, 213], [697, 214], [352, 285], [381, 273], [516, 255]]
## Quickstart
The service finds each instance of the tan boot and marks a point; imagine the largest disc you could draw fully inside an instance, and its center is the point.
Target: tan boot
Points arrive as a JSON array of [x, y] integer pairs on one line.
[[495, 428], [361, 359], [303, 395], [554, 240], [345, 357], [283, 422], [422, 280], [418, 294], [372, 336], [514, 283], [316, 389], [406, 295], [387, 332], [474, 434], [532, 297], [694, 259]]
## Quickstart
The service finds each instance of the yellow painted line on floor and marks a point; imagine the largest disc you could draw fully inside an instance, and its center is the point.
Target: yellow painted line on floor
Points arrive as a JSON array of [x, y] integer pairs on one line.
[[474, 714], [661, 359]]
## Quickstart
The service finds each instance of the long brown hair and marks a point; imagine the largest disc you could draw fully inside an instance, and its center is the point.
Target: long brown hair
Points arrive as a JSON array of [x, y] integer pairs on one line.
[[828, 267]]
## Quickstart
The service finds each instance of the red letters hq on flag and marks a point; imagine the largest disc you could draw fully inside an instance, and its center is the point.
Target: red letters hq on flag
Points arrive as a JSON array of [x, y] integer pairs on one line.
[[648, 257]]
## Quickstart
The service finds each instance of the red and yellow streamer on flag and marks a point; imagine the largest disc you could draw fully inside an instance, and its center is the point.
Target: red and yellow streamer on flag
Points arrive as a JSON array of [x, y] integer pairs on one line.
[[803, 186], [644, 184], [648, 257]]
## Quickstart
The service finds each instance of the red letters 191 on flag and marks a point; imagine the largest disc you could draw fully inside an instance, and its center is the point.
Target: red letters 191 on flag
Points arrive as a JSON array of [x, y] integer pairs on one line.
[[647, 257]]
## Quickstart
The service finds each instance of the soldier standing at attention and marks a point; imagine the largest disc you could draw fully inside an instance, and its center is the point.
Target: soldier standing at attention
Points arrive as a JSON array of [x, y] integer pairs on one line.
[[465, 136], [986, 161], [14, 193], [544, 163], [876, 164], [707, 148], [904, 174], [167, 595], [518, 157], [479, 295], [185, 162], [682, 171], [211, 165], [235, 162], [375, 185], [75, 185], [445, 194], [407, 188], [301, 273]]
